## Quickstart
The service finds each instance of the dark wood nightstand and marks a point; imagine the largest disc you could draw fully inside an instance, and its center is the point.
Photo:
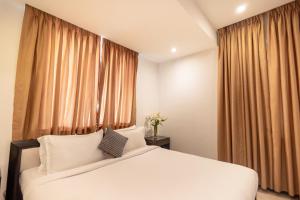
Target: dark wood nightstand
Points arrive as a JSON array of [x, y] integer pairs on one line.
[[161, 141]]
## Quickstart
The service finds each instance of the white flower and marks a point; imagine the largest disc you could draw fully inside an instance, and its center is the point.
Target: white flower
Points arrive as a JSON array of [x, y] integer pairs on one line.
[[155, 119]]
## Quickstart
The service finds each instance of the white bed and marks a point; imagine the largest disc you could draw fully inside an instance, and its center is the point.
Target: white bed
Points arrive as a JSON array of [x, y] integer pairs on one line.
[[146, 173]]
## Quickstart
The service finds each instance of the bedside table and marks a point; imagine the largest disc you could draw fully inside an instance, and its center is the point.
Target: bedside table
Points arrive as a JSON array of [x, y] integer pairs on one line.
[[161, 141]]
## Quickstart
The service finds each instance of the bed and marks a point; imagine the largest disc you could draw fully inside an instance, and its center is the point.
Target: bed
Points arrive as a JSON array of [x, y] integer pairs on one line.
[[147, 173]]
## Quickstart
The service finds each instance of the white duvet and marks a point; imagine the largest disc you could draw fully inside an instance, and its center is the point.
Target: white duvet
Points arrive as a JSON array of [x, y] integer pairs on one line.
[[148, 173]]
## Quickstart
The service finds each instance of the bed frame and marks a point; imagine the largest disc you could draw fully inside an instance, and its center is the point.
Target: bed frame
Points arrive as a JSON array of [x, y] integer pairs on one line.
[[13, 189]]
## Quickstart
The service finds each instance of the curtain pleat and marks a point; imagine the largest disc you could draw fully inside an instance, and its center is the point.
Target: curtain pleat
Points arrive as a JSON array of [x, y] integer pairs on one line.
[[56, 90], [117, 86], [284, 65], [243, 100]]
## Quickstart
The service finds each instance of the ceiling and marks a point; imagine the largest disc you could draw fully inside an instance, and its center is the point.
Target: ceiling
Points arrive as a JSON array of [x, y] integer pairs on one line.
[[222, 12], [153, 27]]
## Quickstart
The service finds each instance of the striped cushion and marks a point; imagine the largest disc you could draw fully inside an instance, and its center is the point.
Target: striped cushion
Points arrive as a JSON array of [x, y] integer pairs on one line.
[[113, 143]]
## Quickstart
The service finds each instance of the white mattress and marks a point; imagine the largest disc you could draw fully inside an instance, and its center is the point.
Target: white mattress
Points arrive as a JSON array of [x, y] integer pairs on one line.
[[145, 174]]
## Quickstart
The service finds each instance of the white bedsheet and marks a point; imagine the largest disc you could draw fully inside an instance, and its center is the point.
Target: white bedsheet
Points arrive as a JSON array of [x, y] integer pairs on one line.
[[148, 173], [27, 176]]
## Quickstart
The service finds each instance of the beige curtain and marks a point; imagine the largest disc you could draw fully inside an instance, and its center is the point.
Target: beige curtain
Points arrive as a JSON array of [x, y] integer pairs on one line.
[[243, 97], [258, 101], [117, 86], [284, 67], [56, 90]]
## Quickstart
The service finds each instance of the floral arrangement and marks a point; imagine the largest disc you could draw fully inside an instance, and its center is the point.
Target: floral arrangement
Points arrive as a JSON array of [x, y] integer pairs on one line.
[[155, 120]]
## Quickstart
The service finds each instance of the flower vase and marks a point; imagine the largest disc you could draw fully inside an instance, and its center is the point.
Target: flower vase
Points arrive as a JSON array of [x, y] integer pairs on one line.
[[155, 130]]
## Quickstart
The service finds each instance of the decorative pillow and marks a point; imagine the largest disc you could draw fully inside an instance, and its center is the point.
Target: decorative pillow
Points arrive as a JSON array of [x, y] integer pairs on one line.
[[113, 143], [136, 138], [59, 153]]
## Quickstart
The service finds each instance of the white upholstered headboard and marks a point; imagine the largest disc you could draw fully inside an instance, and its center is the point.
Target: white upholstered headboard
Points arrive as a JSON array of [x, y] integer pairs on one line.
[[23, 155], [30, 158]]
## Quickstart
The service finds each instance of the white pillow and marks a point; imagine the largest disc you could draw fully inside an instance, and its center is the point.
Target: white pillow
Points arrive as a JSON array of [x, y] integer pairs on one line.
[[59, 153], [136, 138], [42, 153]]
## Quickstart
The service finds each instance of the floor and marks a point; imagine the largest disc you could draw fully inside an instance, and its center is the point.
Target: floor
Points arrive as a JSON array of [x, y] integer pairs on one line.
[[268, 195]]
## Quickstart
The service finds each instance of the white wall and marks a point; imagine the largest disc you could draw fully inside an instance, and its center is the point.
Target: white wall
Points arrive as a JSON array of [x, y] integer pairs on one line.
[[188, 88], [147, 89], [11, 15]]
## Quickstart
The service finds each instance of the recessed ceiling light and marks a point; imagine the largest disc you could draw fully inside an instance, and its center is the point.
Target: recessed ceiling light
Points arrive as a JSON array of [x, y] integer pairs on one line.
[[173, 50], [241, 8]]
